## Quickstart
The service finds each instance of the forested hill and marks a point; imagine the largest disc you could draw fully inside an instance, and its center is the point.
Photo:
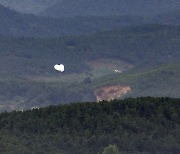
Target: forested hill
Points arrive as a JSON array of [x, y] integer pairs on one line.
[[140, 45], [141, 125], [153, 51], [24, 25], [17, 24]]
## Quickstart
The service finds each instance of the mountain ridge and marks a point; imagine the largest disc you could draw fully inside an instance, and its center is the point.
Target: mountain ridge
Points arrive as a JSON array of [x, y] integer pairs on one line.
[[25, 25], [28, 6], [106, 7]]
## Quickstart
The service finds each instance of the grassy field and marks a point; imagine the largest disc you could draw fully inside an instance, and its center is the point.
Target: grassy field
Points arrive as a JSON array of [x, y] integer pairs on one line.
[[97, 69], [20, 93], [159, 81]]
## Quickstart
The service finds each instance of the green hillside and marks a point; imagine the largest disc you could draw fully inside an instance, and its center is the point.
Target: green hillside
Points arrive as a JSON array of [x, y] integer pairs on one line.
[[19, 93], [28, 25], [141, 46], [163, 80], [141, 125], [148, 57]]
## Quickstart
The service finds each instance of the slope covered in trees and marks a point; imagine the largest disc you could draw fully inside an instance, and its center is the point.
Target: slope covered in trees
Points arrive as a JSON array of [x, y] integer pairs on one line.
[[141, 125], [140, 46], [23, 25], [17, 24], [153, 50], [17, 93]]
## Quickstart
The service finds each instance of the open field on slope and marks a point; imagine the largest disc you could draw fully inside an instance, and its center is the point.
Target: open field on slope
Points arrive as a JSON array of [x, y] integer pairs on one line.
[[163, 80], [20, 93], [96, 69], [31, 80]]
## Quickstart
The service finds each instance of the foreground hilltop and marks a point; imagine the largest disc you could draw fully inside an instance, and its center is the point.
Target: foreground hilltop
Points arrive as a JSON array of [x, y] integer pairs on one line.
[[141, 125]]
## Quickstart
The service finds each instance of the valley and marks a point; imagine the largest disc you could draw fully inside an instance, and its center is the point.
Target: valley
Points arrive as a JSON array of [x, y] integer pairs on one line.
[[120, 57], [129, 55]]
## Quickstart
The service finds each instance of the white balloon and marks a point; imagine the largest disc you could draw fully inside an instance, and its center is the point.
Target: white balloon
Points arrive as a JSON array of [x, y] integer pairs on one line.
[[59, 67]]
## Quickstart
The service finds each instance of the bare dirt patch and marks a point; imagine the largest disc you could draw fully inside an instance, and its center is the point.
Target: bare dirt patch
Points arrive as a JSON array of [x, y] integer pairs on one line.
[[111, 92]]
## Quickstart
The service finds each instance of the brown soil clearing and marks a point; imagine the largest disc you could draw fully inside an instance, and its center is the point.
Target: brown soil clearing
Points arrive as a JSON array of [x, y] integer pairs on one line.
[[111, 92]]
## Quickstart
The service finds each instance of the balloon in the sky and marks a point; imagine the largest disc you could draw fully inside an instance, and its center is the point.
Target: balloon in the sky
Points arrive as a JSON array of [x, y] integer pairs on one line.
[[59, 67]]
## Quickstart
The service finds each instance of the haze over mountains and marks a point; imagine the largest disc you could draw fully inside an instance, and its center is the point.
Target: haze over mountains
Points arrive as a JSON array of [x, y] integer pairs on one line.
[[107, 7], [140, 40], [28, 6], [61, 8], [18, 24], [111, 50]]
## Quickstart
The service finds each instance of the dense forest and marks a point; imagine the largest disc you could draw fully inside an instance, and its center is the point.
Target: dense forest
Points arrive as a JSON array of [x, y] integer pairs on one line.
[[141, 125]]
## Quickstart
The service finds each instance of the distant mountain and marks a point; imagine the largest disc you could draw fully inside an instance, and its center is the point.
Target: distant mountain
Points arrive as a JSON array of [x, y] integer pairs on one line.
[[106, 7], [17, 24], [172, 17], [27, 6]]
